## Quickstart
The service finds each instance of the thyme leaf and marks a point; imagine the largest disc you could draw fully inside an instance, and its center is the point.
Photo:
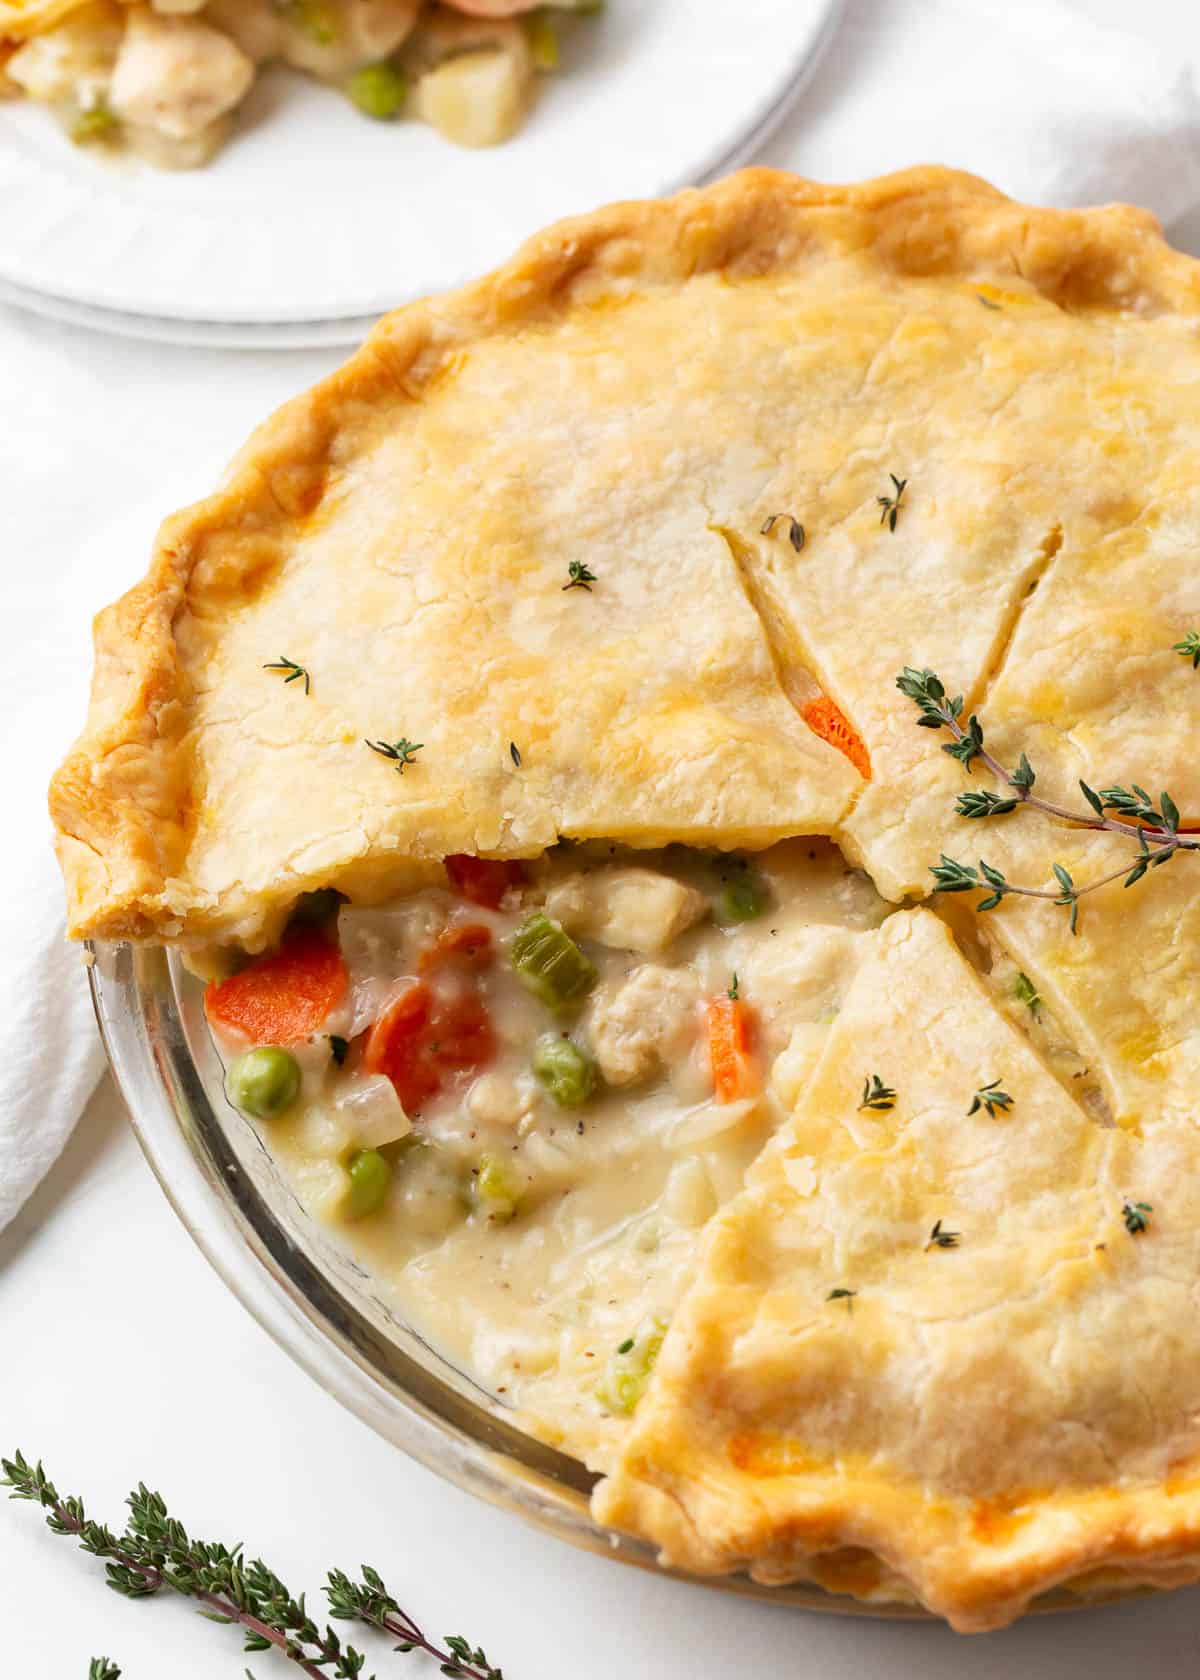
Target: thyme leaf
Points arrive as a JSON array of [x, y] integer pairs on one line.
[[580, 575], [514, 752], [991, 1098], [876, 1094], [733, 993], [295, 673], [403, 751], [1134, 1215], [846, 1295], [155, 1553], [1027, 993], [890, 505], [983, 802], [941, 1239], [1189, 648], [1127, 811], [795, 530]]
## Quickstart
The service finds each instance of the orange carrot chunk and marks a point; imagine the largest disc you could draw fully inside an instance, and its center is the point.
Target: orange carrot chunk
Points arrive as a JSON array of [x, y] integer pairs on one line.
[[827, 719], [421, 1038], [464, 945], [483, 880], [729, 1031], [283, 997]]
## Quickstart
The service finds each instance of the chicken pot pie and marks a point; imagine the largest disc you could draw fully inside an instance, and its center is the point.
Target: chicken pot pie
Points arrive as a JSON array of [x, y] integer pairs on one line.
[[163, 79], [660, 762]]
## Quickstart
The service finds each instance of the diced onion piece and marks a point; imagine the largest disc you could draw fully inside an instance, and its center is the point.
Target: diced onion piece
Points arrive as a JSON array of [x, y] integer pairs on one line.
[[708, 1120], [322, 1183], [478, 100], [370, 1111], [689, 1198]]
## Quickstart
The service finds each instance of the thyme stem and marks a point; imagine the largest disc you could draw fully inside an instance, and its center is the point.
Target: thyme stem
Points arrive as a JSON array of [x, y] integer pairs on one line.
[[1154, 828], [155, 1553]]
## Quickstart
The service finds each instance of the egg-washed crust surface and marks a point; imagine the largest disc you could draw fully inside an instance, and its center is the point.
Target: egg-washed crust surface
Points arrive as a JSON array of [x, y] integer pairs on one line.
[[635, 391], [979, 1419]]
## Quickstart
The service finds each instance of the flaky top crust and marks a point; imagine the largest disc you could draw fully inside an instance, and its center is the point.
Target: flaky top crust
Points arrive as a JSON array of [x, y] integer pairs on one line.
[[637, 392], [134, 800]]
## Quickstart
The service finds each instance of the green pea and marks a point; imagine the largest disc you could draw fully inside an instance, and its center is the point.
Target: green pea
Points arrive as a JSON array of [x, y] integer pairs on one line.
[[370, 1176], [378, 90], [263, 1082], [566, 1071], [743, 897], [93, 125], [494, 1190]]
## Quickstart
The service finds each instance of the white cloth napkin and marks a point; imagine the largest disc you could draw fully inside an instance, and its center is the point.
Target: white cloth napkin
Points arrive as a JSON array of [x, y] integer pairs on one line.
[[101, 437]]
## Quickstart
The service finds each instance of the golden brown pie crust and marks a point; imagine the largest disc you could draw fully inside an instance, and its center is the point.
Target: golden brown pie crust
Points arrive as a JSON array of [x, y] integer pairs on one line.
[[638, 390]]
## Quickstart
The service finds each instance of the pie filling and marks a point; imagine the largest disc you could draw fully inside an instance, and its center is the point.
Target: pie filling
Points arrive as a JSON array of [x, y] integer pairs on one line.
[[525, 1093], [164, 80]]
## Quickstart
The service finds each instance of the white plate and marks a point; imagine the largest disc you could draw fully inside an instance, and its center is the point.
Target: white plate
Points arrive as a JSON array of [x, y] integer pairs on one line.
[[313, 215]]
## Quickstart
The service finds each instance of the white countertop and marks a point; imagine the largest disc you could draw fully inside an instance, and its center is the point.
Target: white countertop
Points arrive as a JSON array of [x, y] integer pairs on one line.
[[127, 1359]]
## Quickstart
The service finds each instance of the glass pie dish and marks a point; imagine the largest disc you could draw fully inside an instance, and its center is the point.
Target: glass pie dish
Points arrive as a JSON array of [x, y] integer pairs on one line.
[[299, 1282]]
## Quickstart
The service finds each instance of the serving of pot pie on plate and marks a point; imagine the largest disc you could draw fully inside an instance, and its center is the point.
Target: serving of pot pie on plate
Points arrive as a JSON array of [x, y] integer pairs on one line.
[[164, 79], [676, 770]]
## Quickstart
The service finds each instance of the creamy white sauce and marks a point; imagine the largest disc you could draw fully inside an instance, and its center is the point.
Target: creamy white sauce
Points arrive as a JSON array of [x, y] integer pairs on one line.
[[614, 1195]]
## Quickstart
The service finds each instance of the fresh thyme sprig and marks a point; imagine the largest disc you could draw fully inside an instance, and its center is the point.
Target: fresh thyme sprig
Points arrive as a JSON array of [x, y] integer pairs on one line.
[[295, 673], [991, 1098], [156, 1553], [1189, 648], [403, 751], [941, 1239], [581, 576], [795, 530], [890, 505], [876, 1094], [1134, 1215], [1154, 829]]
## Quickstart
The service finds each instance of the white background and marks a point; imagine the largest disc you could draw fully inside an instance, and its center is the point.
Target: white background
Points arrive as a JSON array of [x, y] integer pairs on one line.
[[123, 1356]]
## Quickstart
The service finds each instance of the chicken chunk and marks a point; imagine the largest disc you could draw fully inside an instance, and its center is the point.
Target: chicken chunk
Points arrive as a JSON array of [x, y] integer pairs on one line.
[[176, 75], [73, 61], [628, 909], [644, 1023]]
